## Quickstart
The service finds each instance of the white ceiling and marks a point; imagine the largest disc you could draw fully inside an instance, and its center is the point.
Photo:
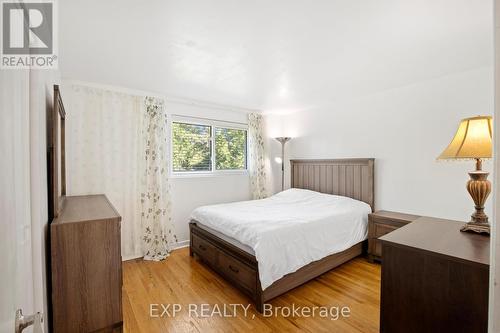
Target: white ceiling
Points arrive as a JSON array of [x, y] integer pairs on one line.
[[272, 55]]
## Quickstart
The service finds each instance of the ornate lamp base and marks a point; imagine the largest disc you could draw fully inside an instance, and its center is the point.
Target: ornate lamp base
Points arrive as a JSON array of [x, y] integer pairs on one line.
[[476, 227], [479, 188]]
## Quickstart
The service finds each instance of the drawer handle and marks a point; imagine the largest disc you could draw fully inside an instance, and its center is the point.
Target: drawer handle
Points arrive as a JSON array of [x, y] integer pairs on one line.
[[236, 270], [201, 247]]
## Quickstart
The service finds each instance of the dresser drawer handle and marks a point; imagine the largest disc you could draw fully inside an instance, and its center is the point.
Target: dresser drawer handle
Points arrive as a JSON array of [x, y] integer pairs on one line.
[[201, 247], [236, 270]]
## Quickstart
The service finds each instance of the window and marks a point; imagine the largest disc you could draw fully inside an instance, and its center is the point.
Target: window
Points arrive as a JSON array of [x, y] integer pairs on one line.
[[230, 149], [208, 146], [192, 147]]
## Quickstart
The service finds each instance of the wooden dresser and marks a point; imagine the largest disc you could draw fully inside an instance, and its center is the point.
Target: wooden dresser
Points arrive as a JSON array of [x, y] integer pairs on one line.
[[86, 266], [434, 278], [381, 223]]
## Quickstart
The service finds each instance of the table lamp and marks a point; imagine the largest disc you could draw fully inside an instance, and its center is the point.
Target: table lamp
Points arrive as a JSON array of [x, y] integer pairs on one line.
[[472, 141]]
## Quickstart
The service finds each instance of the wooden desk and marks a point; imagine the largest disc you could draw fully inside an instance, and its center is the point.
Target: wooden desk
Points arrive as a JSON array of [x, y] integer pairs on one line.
[[434, 278]]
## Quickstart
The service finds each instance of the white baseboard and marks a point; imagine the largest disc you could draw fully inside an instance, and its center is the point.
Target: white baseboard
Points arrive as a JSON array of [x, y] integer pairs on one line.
[[131, 257], [180, 245], [176, 246]]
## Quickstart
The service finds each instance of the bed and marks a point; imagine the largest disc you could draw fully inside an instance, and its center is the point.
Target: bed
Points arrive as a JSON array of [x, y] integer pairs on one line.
[[268, 247]]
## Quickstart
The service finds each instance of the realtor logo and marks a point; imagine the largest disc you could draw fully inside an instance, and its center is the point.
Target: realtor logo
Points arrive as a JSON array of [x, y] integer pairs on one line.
[[28, 34]]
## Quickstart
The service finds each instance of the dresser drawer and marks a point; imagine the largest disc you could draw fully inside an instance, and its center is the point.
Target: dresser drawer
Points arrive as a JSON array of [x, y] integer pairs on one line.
[[205, 250], [237, 271]]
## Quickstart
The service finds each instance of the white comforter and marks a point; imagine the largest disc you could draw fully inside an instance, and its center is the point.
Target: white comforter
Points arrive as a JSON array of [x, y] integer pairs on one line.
[[290, 229]]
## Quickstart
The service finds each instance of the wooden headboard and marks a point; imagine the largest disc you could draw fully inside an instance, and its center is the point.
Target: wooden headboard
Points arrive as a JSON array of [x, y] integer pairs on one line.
[[350, 177]]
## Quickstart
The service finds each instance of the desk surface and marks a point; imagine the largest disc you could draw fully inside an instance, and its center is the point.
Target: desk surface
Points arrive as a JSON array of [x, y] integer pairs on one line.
[[442, 237]]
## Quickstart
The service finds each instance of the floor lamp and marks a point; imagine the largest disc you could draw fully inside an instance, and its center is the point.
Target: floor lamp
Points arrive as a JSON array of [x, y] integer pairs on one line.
[[283, 141]]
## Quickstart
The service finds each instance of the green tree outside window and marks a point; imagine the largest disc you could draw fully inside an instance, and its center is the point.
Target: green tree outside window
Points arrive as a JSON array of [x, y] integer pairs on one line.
[[192, 148]]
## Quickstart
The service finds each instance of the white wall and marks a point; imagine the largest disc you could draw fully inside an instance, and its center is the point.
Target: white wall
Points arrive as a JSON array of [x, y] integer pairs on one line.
[[191, 192], [405, 129]]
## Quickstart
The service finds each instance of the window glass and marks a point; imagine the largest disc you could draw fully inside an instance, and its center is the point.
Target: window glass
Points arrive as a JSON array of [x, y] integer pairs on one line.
[[230, 148], [191, 147]]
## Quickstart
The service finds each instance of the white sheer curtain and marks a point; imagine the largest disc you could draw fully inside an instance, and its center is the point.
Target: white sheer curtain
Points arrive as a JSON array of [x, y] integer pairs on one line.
[[156, 211], [103, 153], [256, 157]]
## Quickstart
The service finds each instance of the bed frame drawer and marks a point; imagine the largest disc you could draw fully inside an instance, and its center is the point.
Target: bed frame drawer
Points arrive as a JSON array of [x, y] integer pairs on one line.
[[205, 250], [237, 271], [224, 262]]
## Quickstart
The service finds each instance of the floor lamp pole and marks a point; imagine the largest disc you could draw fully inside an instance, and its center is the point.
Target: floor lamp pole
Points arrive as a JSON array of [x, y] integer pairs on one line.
[[282, 166], [283, 141]]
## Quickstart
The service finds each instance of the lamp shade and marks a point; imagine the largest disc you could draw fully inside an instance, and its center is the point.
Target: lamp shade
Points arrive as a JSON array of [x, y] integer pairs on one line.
[[471, 141], [283, 139]]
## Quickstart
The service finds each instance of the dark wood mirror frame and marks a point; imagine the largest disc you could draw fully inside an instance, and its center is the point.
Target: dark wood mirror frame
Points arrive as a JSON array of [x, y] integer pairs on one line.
[[56, 159]]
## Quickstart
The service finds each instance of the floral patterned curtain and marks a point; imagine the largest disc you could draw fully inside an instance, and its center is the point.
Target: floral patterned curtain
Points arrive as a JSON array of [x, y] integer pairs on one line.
[[256, 162], [156, 216]]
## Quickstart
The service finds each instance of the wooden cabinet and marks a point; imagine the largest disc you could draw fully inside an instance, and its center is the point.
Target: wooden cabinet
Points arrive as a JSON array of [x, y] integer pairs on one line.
[[434, 279], [86, 266], [381, 223]]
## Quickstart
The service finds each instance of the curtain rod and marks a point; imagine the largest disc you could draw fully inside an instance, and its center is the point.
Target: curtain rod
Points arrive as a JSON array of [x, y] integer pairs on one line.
[[211, 119]]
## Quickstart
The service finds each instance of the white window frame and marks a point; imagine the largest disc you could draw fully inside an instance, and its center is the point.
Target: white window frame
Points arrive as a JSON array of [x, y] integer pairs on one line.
[[213, 124]]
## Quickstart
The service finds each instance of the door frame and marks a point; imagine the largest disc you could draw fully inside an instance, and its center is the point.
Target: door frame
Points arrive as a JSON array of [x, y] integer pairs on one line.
[[494, 301]]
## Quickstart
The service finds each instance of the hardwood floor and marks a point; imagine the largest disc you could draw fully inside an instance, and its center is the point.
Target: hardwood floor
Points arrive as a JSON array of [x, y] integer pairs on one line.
[[183, 280]]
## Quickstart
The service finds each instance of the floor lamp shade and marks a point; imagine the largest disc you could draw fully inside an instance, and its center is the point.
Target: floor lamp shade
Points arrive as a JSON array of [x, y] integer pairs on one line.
[[473, 140]]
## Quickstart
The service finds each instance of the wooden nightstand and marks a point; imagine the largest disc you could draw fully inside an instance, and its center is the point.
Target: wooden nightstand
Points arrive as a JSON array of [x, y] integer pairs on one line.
[[383, 222]]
